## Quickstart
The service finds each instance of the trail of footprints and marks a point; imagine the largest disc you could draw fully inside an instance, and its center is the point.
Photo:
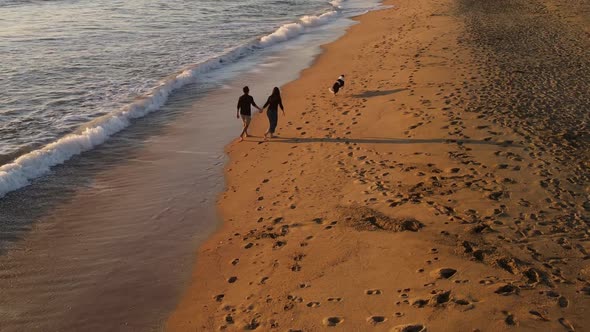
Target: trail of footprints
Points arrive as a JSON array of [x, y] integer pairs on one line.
[[376, 172]]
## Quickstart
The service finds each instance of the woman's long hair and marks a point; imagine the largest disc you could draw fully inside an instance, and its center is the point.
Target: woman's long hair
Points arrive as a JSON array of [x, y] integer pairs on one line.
[[276, 94]]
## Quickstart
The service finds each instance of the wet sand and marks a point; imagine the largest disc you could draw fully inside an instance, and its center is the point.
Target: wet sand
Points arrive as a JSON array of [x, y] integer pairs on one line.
[[445, 189]]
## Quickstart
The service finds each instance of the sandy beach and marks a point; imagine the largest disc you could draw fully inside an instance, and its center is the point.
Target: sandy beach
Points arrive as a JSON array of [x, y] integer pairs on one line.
[[444, 189]]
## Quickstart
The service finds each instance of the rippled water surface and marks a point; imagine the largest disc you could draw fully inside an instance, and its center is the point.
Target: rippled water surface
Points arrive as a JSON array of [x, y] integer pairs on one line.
[[64, 63]]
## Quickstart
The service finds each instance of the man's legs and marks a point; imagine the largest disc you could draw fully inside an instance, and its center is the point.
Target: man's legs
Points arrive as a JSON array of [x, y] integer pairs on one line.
[[246, 123]]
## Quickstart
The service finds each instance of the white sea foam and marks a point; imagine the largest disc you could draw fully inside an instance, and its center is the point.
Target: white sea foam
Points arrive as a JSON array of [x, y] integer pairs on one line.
[[291, 30], [337, 3], [18, 173]]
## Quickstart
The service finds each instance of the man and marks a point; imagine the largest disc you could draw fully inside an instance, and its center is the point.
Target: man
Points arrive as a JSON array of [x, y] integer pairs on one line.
[[245, 111], [339, 84]]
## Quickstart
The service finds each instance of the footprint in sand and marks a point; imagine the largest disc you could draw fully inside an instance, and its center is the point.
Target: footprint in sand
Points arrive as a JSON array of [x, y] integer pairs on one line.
[[373, 292], [409, 328], [419, 303], [318, 221], [332, 224], [538, 315], [461, 281], [565, 323], [376, 319], [229, 319], [313, 304], [488, 281], [563, 302], [333, 321], [510, 318], [443, 273], [252, 325], [334, 299], [507, 289]]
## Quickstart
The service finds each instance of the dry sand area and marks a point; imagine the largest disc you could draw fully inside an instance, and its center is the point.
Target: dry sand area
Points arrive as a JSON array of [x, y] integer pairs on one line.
[[446, 188]]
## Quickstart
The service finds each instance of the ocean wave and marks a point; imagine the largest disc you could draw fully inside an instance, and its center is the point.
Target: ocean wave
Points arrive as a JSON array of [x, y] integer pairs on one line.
[[336, 3], [19, 172], [291, 30]]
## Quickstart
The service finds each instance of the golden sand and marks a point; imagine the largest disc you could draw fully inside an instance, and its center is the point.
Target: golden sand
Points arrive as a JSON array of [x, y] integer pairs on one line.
[[402, 204]]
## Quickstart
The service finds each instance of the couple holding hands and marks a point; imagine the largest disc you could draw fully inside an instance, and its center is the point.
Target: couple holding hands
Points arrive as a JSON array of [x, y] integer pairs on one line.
[[245, 112]]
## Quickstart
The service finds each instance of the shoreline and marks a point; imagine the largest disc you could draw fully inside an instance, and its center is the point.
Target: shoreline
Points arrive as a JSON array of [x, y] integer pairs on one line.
[[396, 202], [107, 240]]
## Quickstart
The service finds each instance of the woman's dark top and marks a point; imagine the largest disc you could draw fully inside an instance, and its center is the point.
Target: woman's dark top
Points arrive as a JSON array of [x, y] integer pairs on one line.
[[244, 104], [273, 103]]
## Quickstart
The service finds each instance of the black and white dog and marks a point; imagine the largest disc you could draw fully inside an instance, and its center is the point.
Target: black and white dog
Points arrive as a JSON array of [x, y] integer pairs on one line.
[[339, 84]]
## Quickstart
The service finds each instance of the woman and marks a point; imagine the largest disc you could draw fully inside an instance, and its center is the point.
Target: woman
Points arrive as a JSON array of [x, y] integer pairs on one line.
[[273, 103]]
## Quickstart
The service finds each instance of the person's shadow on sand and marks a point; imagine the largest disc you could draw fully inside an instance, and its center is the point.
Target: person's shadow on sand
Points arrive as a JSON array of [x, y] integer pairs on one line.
[[377, 93], [379, 140]]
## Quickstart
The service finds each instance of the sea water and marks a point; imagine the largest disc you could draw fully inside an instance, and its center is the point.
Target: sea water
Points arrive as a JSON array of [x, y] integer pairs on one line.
[[73, 73]]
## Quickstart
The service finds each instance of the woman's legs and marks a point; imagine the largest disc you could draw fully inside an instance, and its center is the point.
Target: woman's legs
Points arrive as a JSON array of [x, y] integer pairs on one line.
[[273, 117]]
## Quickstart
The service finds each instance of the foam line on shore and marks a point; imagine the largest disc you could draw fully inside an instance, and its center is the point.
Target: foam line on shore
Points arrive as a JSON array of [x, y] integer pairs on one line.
[[22, 170]]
